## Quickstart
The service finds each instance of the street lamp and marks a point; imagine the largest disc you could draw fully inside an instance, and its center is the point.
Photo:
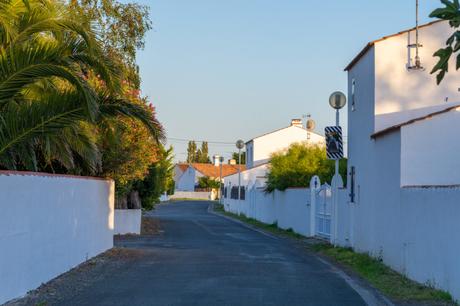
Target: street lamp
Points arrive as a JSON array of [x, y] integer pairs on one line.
[[337, 101], [239, 146], [221, 161]]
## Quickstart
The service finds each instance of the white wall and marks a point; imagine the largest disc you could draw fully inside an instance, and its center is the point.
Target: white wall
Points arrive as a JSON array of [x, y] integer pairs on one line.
[[429, 151], [187, 181], [289, 209], [128, 221], [396, 88], [264, 146], [48, 225], [190, 195]]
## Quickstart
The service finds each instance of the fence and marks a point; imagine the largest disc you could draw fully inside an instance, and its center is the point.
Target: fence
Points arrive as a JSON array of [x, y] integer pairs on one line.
[[48, 225]]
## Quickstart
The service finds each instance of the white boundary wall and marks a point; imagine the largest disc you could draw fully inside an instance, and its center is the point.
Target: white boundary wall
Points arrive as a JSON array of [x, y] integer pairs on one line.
[[191, 195], [49, 224], [128, 221], [290, 209], [416, 234]]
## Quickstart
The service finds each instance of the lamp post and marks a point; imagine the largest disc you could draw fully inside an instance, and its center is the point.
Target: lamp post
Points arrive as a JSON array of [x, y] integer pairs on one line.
[[221, 160], [337, 101], [239, 146]]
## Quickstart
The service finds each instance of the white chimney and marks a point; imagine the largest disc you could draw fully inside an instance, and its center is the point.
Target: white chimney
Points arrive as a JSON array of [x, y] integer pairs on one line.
[[297, 123], [216, 160]]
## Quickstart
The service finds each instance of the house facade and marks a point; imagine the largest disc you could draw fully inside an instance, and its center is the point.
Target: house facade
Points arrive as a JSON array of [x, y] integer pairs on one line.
[[191, 173], [402, 147], [260, 148]]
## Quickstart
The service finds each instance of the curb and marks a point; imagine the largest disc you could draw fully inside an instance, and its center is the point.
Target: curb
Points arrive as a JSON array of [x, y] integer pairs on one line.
[[370, 295]]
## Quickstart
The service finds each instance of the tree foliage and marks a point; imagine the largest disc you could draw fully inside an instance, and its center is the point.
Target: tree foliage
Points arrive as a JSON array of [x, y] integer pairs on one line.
[[296, 166], [58, 90], [160, 179], [195, 155], [451, 13], [236, 157], [206, 182], [122, 28]]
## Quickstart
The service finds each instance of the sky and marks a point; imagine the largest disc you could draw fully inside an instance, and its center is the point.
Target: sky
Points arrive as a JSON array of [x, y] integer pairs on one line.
[[223, 70]]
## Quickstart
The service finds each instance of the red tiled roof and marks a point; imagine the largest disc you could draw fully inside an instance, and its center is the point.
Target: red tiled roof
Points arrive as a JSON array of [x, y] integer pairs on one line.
[[214, 171], [182, 167]]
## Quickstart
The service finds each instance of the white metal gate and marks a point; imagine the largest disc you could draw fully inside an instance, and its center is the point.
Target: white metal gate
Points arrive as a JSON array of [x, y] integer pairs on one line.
[[323, 211]]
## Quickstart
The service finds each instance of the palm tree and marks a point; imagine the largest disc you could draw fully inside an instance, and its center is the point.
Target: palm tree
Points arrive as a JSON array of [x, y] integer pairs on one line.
[[49, 106]]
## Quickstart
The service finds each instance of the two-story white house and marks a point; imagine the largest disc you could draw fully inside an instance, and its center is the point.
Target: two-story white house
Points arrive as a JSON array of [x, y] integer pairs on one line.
[[403, 149], [260, 148]]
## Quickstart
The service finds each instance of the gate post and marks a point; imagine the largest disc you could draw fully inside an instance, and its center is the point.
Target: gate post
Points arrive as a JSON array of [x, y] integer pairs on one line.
[[315, 185], [337, 183]]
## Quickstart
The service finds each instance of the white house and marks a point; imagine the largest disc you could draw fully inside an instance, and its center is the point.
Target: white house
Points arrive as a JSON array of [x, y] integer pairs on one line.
[[402, 158], [260, 148], [189, 174]]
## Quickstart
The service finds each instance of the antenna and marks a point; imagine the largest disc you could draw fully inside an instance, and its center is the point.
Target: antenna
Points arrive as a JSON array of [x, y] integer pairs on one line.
[[418, 64]]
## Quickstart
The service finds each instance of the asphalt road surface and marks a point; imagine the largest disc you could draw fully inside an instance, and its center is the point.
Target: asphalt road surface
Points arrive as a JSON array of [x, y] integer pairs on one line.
[[202, 259]]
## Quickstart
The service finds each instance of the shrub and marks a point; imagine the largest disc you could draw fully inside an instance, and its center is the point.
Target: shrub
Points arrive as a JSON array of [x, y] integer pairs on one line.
[[298, 164]]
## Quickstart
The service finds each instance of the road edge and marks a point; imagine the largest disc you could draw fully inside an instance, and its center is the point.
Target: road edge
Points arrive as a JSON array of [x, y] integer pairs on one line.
[[370, 295]]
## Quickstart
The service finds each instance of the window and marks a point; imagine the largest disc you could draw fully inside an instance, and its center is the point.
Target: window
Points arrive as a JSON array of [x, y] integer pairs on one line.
[[352, 184], [353, 96]]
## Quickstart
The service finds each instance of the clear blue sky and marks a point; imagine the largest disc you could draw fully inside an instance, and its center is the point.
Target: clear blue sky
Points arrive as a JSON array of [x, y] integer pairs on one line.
[[223, 70]]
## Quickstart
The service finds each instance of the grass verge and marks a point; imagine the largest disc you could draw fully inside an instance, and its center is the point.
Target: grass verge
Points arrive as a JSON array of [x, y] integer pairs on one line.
[[272, 228], [389, 282]]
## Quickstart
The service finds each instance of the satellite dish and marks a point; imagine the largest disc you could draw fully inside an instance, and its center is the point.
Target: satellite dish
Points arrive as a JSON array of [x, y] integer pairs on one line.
[[311, 124]]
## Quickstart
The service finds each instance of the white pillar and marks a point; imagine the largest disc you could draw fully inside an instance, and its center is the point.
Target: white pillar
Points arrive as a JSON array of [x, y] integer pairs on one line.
[[315, 185]]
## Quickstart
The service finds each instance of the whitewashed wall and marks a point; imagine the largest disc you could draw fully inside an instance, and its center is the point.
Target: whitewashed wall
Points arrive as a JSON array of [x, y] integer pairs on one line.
[[202, 195], [128, 221], [398, 89], [48, 225], [290, 209], [263, 146], [187, 180], [429, 151], [414, 232]]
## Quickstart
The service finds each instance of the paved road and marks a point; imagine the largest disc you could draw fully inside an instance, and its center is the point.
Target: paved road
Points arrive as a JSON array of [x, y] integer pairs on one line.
[[204, 259]]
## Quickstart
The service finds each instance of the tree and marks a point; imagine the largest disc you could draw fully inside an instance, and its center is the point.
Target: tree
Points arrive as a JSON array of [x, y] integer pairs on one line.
[[202, 155], [450, 12], [236, 157], [191, 152], [296, 166], [122, 30], [160, 179], [57, 86], [206, 182]]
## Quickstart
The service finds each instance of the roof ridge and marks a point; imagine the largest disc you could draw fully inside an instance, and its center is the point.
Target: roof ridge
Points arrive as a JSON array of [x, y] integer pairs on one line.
[[373, 42]]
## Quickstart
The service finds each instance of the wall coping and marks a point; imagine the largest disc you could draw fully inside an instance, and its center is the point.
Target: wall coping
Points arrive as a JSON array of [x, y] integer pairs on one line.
[[431, 187], [45, 174]]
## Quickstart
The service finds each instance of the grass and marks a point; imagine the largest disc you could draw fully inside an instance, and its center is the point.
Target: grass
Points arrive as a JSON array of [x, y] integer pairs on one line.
[[272, 228], [389, 282]]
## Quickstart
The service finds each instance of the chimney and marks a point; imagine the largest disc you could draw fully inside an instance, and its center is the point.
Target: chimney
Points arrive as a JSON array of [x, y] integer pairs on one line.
[[232, 162], [216, 160], [297, 123]]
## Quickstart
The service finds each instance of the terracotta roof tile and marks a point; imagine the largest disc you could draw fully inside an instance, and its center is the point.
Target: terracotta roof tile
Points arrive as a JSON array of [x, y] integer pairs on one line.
[[182, 167], [214, 171]]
